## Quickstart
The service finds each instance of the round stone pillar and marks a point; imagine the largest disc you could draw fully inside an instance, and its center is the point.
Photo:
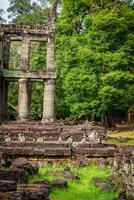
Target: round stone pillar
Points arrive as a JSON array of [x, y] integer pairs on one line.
[[25, 53], [23, 100], [48, 105]]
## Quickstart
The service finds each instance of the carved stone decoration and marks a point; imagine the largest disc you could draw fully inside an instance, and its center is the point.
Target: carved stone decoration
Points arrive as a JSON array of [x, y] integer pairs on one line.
[[7, 139], [21, 138]]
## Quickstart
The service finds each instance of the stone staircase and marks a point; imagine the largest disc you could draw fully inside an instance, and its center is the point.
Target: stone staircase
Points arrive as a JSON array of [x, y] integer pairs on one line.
[[37, 139]]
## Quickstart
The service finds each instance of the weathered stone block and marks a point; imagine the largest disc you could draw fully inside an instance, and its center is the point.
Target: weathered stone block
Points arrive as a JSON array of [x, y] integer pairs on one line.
[[61, 183], [7, 185]]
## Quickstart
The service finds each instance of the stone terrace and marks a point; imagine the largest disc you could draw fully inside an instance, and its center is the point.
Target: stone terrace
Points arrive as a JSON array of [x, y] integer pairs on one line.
[[37, 139]]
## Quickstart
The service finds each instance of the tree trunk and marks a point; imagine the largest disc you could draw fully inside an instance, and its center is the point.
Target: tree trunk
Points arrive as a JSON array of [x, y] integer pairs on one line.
[[106, 119]]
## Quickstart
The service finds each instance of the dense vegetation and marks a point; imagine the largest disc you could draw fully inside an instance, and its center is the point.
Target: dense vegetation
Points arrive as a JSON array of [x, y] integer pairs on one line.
[[94, 55]]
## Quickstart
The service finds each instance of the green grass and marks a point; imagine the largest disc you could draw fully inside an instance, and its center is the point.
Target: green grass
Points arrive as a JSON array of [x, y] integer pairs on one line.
[[82, 189], [114, 138], [123, 134], [115, 141]]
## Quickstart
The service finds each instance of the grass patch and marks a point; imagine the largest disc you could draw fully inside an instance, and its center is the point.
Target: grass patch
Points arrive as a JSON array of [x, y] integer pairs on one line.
[[123, 134], [115, 141], [115, 138], [82, 189]]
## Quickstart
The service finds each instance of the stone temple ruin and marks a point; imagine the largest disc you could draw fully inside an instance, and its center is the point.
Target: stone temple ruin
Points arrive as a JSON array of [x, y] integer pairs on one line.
[[25, 75], [25, 138]]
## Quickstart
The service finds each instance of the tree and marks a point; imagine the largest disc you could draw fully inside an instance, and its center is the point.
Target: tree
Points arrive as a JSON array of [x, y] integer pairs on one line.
[[30, 13], [98, 41], [1, 16]]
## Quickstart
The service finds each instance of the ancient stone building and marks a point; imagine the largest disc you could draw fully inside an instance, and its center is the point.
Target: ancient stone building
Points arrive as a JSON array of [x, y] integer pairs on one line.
[[25, 75]]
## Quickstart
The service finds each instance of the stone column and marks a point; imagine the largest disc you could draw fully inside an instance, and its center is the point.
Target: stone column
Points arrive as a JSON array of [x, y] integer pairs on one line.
[[1, 54], [50, 53], [0, 100], [48, 107], [49, 83], [6, 53], [29, 97], [25, 53], [23, 99], [3, 99]]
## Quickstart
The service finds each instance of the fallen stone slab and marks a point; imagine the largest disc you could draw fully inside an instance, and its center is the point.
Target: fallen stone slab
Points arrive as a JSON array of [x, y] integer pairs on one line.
[[23, 164], [19, 162], [16, 175], [46, 183], [35, 187], [7, 185], [6, 195], [32, 192], [61, 183]]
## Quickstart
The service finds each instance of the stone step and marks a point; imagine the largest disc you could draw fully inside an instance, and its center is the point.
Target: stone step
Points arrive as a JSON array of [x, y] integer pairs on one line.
[[46, 134], [96, 152], [34, 151], [11, 175], [51, 139], [58, 151], [73, 134], [32, 144], [44, 128], [96, 145], [7, 185], [13, 130], [29, 133], [37, 138]]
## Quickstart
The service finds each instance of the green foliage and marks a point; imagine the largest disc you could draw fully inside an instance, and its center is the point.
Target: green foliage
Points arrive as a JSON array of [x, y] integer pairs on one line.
[[37, 101], [28, 12], [38, 55], [19, 7], [1, 16], [116, 93], [15, 55], [13, 100], [80, 90], [96, 67]]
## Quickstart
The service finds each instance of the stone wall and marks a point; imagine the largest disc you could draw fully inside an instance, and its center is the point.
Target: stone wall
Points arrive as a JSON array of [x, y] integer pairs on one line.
[[54, 140], [124, 170]]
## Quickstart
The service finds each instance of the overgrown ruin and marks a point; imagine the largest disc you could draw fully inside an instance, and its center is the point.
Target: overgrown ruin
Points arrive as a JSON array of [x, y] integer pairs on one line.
[[41, 141], [25, 76]]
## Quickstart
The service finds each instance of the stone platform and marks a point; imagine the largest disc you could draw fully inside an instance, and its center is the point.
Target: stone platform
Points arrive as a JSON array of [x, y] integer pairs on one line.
[[35, 139]]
